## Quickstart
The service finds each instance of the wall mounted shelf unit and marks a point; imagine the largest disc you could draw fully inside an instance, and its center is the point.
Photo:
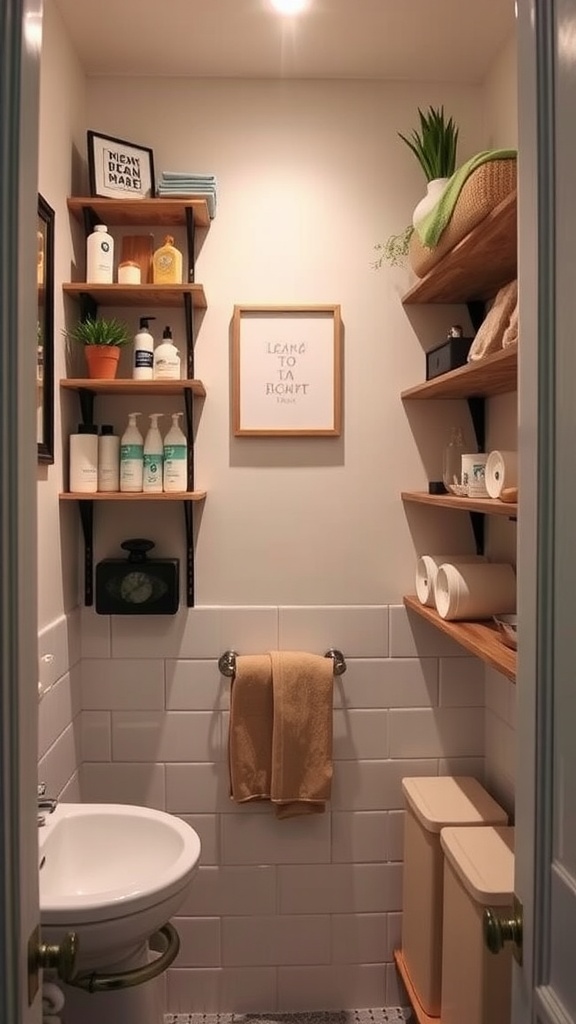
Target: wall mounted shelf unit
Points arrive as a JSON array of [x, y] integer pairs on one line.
[[190, 214], [472, 272]]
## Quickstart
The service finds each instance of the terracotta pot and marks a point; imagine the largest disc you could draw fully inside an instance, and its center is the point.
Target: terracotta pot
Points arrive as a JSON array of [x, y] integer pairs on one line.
[[102, 361]]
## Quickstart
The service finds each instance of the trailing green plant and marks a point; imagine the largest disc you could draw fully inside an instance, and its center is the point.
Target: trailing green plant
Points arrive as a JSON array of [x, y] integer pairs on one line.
[[99, 331], [435, 146], [394, 250]]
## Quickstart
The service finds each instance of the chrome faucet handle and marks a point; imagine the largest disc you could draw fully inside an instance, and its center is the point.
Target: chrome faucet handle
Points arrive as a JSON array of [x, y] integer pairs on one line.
[[41, 789], [45, 803]]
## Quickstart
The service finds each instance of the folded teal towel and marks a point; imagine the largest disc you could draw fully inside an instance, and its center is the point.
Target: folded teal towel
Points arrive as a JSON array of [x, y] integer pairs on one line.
[[188, 176], [430, 228]]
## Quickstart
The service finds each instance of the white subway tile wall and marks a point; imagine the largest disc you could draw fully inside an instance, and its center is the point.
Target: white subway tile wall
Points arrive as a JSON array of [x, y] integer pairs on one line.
[[294, 915], [500, 738]]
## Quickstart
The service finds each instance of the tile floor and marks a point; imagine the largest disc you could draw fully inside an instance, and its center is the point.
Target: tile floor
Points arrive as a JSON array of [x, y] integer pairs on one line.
[[386, 1015]]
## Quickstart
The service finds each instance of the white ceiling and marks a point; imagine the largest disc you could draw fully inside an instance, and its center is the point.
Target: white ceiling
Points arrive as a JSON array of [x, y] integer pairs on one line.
[[427, 40]]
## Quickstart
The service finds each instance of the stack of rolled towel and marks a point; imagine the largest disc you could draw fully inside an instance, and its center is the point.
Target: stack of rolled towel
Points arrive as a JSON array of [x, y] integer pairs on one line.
[[175, 183]]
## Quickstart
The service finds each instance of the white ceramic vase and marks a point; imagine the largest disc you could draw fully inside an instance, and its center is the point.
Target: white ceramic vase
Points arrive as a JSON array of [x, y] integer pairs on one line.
[[434, 190]]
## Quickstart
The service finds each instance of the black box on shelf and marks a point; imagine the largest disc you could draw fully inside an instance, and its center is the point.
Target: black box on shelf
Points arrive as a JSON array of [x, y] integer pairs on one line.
[[451, 354]]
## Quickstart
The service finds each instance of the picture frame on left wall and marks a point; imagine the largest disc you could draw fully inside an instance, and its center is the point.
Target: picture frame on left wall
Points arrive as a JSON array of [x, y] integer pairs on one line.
[[119, 169]]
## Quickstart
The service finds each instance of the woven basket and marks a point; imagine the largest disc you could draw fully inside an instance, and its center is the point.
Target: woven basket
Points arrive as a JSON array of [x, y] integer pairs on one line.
[[486, 187]]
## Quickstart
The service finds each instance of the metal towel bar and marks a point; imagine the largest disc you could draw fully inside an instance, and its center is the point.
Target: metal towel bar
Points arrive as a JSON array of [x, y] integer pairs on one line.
[[227, 662]]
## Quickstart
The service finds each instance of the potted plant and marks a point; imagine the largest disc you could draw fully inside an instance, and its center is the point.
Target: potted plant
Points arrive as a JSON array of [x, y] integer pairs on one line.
[[435, 150], [102, 340]]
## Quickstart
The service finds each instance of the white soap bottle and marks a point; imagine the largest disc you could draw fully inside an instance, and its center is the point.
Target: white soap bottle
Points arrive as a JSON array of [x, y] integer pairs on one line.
[[100, 256], [108, 459], [131, 456], [143, 365], [153, 457], [175, 457], [166, 358], [84, 459]]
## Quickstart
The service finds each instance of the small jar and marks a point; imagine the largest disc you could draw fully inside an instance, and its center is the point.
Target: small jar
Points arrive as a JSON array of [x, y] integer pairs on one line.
[[129, 272]]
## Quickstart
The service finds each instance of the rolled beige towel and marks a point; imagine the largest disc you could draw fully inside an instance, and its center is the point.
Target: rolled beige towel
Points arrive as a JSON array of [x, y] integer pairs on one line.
[[491, 332]]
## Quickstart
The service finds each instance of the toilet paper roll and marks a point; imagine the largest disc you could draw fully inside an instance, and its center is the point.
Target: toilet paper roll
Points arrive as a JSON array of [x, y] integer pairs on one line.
[[475, 591], [426, 569], [501, 472], [52, 998]]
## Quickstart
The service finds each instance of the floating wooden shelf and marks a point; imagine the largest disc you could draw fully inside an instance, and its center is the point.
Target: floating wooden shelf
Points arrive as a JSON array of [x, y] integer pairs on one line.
[[136, 496], [137, 212], [144, 295], [488, 506], [494, 375], [480, 638], [421, 1016], [118, 386], [478, 266]]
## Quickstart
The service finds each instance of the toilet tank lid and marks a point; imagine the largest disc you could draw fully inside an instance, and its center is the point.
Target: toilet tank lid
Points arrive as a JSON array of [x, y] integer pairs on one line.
[[483, 860], [451, 800]]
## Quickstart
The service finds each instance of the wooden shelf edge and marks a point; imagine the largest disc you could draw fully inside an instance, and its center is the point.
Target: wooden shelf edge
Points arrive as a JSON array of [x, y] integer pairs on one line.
[[480, 638], [136, 496], [142, 211], [496, 374], [128, 386], [487, 506], [421, 1016]]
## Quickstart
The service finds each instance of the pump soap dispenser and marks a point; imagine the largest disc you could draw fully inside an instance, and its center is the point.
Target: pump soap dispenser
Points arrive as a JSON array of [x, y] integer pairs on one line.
[[167, 263], [166, 358], [175, 457], [153, 457], [131, 456]]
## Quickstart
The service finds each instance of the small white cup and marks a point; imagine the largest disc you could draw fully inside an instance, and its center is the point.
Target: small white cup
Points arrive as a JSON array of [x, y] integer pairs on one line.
[[473, 474]]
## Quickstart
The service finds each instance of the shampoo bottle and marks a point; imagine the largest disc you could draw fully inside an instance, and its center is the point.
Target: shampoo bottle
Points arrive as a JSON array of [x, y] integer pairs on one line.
[[143, 365], [100, 256], [108, 459], [175, 457], [84, 459], [167, 263], [166, 358], [153, 457], [131, 456]]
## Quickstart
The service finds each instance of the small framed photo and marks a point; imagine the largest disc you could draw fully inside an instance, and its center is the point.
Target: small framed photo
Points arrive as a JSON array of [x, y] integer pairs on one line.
[[119, 169], [286, 371]]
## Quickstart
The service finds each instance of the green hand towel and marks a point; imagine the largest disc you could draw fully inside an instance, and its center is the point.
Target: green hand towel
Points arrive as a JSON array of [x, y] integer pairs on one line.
[[433, 224]]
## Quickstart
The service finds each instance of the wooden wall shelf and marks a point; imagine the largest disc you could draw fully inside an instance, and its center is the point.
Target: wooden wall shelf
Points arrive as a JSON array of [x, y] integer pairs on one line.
[[143, 295], [139, 212], [495, 375], [476, 268], [488, 506], [135, 496], [480, 638], [119, 386]]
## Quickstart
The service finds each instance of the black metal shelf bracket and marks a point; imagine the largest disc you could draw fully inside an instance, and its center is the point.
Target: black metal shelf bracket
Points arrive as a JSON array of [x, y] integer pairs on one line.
[[477, 407], [86, 509], [189, 325], [86, 399], [478, 522], [191, 240], [476, 312], [189, 523]]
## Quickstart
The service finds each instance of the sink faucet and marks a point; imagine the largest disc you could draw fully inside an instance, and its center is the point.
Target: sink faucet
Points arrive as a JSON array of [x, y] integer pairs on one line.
[[45, 803]]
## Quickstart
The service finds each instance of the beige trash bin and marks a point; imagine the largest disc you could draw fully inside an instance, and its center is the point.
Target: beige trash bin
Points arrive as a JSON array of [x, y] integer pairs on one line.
[[478, 873], [431, 804]]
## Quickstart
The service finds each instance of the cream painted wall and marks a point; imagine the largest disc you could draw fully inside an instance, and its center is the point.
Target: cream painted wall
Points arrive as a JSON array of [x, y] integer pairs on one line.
[[501, 98], [60, 173], [311, 175]]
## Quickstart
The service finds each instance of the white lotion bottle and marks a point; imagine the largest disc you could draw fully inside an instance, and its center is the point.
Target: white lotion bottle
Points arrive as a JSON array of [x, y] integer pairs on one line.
[[175, 458], [166, 358], [84, 459], [131, 456], [108, 459], [153, 457], [100, 256], [143, 364]]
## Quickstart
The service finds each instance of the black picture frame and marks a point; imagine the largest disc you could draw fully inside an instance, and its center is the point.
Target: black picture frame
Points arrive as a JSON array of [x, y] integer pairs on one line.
[[45, 332], [119, 169]]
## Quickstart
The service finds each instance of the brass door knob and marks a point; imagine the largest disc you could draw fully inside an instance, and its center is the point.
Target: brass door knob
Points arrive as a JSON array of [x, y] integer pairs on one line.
[[499, 929], [60, 958]]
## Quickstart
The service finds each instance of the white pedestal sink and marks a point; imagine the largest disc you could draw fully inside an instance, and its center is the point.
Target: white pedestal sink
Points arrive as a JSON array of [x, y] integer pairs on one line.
[[114, 874]]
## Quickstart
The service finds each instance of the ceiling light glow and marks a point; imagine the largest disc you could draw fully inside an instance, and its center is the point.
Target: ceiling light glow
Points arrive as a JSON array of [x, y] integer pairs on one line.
[[289, 6]]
